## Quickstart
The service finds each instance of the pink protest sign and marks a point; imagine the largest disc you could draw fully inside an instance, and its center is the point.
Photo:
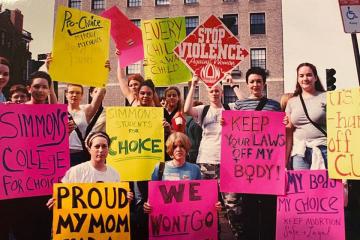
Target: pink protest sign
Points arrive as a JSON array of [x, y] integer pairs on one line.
[[127, 36], [183, 209], [210, 51], [34, 149], [313, 207], [253, 152]]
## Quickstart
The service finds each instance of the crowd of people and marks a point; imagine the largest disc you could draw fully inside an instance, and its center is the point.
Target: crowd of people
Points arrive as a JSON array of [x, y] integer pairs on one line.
[[193, 146]]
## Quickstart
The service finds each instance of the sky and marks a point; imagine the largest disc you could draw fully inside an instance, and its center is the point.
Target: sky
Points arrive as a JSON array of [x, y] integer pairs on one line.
[[313, 32], [38, 20]]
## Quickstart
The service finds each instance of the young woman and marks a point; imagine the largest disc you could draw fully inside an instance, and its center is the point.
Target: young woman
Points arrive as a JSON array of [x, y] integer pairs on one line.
[[173, 110], [4, 76], [309, 132]]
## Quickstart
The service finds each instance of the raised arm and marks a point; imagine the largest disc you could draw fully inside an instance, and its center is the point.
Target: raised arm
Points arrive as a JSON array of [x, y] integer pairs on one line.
[[121, 76], [188, 106], [91, 109]]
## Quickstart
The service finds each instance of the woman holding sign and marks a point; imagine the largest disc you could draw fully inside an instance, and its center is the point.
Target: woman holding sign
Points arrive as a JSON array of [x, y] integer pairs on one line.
[[173, 109], [306, 112]]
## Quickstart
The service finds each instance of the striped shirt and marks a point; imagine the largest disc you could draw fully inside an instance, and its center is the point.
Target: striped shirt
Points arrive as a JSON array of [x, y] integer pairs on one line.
[[251, 104]]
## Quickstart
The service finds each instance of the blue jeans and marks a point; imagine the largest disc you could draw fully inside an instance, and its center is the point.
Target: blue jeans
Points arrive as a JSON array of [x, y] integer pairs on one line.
[[301, 163]]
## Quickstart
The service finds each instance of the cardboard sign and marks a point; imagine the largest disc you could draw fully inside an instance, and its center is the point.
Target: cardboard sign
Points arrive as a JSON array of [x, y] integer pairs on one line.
[[34, 148], [160, 36], [137, 140], [126, 35], [343, 129], [81, 48], [210, 51], [312, 209], [91, 211], [253, 152], [183, 209]]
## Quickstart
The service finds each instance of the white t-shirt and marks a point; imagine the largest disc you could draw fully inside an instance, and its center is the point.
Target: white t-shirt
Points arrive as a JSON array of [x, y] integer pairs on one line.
[[86, 173], [210, 145]]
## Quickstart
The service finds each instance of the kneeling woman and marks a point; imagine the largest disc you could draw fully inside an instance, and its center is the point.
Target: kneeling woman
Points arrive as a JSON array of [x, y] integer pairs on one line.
[[95, 170]]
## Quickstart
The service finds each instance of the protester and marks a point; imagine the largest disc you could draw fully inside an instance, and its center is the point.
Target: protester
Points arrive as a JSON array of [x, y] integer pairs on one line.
[[194, 132], [178, 145], [130, 86], [139, 221], [250, 214], [4, 76], [81, 116], [18, 94], [40, 89], [173, 110], [306, 112]]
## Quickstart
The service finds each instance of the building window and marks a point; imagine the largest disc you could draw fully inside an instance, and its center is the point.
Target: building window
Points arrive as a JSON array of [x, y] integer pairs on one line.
[[191, 24], [258, 57], [98, 4], [162, 2], [134, 3], [190, 1], [231, 21], [229, 95], [160, 91], [134, 68], [196, 96], [137, 22], [75, 4], [257, 23]]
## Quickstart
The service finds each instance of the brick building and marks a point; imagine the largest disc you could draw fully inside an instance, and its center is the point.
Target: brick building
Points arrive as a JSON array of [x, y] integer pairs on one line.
[[257, 24], [14, 44]]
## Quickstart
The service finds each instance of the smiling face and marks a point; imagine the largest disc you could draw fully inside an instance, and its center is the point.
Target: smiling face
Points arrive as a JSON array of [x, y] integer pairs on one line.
[[19, 97], [99, 150], [255, 85], [4, 75], [146, 96], [74, 94], [306, 79], [39, 90]]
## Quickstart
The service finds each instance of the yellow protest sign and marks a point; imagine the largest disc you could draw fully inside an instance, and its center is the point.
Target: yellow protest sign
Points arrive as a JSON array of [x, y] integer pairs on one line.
[[137, 140], [160, 37], [80, 48], [91, 211], [343, 128]]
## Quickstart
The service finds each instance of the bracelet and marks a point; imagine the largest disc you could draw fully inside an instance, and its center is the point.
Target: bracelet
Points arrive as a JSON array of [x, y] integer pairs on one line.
[[235, 86]]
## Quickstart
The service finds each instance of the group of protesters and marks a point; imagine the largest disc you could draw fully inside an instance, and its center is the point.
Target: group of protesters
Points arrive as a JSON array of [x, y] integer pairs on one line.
[[189, 156]]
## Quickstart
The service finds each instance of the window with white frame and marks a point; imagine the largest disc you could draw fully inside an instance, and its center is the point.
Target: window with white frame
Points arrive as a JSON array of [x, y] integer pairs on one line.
[[191, 24], [257, 23], [98, 4], [75, 4], [190, 1], [258, 57], [134, 68], [233, 21], [162, 2], [134, 3]]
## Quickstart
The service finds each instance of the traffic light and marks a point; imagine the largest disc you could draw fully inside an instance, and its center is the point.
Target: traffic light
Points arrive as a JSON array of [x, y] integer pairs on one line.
[[330, 79]]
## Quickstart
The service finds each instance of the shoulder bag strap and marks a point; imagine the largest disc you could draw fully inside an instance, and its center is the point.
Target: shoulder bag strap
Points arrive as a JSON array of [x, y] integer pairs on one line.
[[307, 115], [204, 112], [261, 104], [93, 121], [161, 170]]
